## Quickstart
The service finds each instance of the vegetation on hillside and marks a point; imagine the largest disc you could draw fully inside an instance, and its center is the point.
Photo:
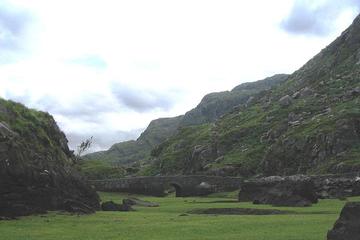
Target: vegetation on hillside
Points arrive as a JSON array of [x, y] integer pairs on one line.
[[137, 153], [308, 124]]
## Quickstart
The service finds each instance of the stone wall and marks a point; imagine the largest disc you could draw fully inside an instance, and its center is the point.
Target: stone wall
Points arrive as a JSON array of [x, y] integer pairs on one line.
[[158, 185]]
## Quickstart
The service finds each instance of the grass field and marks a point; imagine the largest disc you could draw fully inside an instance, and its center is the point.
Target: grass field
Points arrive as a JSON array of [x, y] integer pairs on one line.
[[165, 222]]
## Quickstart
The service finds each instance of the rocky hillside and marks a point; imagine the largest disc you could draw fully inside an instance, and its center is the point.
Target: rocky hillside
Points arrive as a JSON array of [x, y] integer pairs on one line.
[[36, 171], [211, 107], [308, 124], [130, 152], [216, 104]]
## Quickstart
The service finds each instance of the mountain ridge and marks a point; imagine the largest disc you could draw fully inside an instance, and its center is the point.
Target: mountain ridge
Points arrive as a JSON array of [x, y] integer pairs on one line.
[[211, 107]]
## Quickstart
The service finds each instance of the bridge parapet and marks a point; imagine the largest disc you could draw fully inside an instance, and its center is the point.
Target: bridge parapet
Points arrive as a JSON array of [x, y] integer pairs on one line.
[[158, 185]]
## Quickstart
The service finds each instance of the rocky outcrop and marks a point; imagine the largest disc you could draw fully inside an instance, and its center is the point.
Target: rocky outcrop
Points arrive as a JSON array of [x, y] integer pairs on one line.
[[267, 189], [348, 225], [295, 191], [36, 171], [285, 101], [290, 155]]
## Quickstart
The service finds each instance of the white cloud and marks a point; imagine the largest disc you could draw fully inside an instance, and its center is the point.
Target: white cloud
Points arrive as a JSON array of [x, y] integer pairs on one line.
[[317, 17], [112, 66]]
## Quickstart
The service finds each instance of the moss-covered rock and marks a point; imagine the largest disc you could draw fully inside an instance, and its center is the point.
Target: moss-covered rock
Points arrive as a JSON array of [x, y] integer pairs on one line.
[[36, 172]]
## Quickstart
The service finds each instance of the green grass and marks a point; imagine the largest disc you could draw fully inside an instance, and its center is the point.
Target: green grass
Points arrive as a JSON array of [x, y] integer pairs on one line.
[[165, 222], [98, 169]]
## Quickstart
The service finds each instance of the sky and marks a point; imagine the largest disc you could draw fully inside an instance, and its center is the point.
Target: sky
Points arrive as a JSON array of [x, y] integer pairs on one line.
[[107, 68]]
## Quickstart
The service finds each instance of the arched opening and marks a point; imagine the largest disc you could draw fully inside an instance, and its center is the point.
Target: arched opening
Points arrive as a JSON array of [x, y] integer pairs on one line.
[[174, 188]]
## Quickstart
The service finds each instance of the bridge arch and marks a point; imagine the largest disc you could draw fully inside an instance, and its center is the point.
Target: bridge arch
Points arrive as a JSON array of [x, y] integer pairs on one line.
[[178, 189]]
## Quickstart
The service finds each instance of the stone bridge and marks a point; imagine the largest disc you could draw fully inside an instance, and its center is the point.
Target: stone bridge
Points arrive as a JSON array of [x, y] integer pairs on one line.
[[162, 185]]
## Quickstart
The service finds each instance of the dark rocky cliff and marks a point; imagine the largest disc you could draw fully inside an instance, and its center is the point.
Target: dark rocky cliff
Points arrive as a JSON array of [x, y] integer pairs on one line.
[[36, 171]]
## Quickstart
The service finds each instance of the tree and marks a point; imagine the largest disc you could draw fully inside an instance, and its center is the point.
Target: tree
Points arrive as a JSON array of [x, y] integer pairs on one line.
[[83, 147]]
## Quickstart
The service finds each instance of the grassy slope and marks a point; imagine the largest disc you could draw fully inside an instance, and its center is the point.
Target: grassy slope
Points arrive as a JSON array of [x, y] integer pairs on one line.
[[241, 136], [165, 223], [216, 104]]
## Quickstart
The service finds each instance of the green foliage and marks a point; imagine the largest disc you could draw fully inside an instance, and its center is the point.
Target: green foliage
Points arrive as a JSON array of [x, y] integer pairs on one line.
[[177, 148], [97, 169]]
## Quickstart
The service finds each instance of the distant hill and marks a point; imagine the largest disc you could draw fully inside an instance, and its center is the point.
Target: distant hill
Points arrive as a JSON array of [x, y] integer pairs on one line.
[[211, 107], [308, 124], [130, 152]]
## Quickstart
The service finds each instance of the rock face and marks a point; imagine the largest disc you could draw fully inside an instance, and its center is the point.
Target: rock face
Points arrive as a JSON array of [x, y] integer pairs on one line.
[[295, 191], [348, 225], [36, 171]]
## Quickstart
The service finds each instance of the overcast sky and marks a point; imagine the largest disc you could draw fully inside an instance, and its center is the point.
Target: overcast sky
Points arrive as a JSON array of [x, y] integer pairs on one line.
[[107, 68]]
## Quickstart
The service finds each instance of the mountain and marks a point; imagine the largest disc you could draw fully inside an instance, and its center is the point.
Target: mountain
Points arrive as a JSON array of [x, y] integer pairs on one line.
[[211, 107], [214, 105], [129, 152], [308, 124], [36, 172]]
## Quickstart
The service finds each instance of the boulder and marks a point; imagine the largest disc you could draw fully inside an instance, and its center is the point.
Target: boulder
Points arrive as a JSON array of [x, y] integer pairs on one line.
[[348, 225], [139, 202], [285, 101], [252, 189], [295, 191], [306, 91], [296, 95], [112, 206]]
